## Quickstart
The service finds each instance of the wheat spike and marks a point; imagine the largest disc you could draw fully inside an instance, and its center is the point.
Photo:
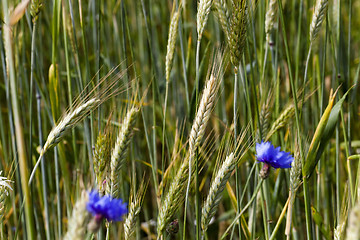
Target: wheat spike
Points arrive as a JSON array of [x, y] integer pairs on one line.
[[265, 116], [35, 8], [79, 219], [171, 43], [4, 187], [295, 182], [175, 195], [67, 123], [223, 15], [270, 19], [282, 120], [237, 33], [216, 189], [203, 115], [101, 159], [134, 210], [204, 7], [317, 18], [119, 152]]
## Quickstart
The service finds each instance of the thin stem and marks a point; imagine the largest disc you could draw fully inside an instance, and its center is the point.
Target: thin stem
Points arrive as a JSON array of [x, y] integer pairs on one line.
[[258, 187], [306, 197], [281, 217], [19, 133], [163, 129], [237, 171]]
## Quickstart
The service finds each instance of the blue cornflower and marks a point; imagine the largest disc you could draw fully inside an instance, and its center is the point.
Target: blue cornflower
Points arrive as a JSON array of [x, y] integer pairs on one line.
[[106, 207], [268, 154]]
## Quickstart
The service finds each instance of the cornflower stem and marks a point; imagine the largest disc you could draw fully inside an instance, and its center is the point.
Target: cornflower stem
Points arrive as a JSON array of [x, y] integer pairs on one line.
[[306, 197], [253, 197]]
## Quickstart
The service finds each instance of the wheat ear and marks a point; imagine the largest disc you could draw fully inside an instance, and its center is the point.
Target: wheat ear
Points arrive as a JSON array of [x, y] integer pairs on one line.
[[265, 115], [4, 186], [237, 35], [171, 43], [65, 124], [317, 18], [216, 189], [202, 16], [134, 210], [270, 19], [282, 120], [101, 159], [295, 182], [175, 195], [79, 219], [223, 15], [119, 152]]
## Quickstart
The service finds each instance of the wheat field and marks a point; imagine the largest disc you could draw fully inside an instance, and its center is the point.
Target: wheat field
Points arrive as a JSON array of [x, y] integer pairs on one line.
[[179, 119]]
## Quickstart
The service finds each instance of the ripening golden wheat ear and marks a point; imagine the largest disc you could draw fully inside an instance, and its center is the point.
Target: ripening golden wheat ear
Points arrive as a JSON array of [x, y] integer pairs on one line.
[[79, 219], [83, 105], [67, 123], [175, 196]]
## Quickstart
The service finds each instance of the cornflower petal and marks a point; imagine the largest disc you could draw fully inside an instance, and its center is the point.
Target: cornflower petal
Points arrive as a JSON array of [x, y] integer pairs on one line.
[[267, 153], [106, 207]]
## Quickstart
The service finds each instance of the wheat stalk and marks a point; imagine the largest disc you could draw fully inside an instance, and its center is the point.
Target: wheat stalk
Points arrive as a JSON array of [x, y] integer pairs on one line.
[[79, 219], [317, 18], [204, 7], [171, 43], [237, 35], [119, 152], [134, 210]]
